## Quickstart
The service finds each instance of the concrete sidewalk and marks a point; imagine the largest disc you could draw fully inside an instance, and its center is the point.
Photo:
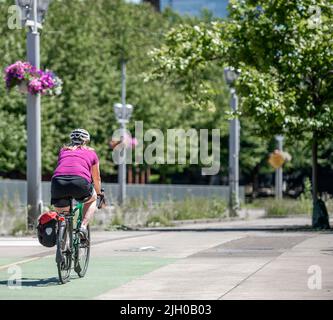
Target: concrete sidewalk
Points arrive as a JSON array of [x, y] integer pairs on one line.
[[260, 262], [256, 266], [292, 275]]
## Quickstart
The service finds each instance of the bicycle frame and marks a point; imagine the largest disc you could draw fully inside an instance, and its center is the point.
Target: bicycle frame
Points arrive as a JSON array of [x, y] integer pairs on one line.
[[69, 222], [78, 207]]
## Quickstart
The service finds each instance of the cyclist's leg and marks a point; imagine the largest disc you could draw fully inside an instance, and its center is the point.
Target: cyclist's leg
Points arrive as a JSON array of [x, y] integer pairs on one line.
[[89, 209], [62, 210]]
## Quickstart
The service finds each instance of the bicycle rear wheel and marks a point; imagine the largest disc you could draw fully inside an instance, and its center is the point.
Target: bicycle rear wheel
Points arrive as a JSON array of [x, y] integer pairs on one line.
[[64, 251], [82, 255]]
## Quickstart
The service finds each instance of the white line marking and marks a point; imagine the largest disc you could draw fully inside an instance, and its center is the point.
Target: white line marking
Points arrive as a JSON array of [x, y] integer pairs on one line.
[[19, 243], [6, 266]]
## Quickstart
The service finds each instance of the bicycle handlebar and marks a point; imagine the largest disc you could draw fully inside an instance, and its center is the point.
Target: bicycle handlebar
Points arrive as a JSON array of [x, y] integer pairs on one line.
[[101, 201]]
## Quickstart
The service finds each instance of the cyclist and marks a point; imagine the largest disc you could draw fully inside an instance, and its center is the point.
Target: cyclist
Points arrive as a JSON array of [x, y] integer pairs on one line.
[[77, 176]]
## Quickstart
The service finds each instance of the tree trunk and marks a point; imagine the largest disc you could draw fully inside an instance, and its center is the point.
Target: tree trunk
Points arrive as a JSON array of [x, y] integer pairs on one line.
[[255, 180], [320, 218]]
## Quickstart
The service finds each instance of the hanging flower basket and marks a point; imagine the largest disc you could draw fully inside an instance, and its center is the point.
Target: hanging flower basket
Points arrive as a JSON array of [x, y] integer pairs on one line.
[[23, 87], [28, 79]]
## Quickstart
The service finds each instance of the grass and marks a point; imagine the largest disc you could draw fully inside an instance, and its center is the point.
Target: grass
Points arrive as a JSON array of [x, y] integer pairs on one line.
[[13, 217], [145, 213], [283, 208], [287, 207], [159, 220]]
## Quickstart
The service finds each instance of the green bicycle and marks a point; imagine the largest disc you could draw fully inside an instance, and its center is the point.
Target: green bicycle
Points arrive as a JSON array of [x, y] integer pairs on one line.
[[70, 246]]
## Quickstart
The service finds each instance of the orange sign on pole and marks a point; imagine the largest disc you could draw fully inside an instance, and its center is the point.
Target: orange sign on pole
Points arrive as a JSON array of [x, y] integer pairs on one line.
[[276, 159]]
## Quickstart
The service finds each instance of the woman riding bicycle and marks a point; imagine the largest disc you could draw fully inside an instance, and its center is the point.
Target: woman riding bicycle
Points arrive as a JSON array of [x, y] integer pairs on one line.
[[77, 176]]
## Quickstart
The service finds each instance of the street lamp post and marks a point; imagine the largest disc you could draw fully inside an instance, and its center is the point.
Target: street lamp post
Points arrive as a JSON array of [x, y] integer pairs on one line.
[[32, 16], [123, 113], [279, 172], [230, 75]]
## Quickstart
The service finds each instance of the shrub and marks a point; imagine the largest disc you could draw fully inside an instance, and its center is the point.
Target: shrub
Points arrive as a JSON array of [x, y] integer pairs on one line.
[[138, 212], [158, 220], [284, 207]]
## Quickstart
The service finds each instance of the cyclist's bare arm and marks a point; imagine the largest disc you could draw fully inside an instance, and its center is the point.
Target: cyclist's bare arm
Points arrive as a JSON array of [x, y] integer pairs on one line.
[[96, 177]]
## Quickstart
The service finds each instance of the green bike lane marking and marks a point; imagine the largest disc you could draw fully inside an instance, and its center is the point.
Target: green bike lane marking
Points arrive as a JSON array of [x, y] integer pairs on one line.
[[6, 261], [39, 278]]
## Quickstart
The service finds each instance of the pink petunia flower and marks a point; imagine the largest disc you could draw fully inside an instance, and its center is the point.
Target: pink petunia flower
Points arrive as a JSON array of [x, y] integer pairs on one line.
[[35, 86]]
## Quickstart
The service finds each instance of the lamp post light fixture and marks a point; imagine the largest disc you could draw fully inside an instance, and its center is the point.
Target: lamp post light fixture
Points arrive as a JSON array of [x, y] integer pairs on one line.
[[32, 14], [230, 75], [123, 113]]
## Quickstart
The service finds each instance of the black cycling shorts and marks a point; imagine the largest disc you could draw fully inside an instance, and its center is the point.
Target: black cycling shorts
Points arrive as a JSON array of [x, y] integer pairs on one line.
[[65, 188]]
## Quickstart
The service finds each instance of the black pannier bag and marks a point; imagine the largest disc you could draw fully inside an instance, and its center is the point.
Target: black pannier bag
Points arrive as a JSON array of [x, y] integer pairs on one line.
[[47, 229]]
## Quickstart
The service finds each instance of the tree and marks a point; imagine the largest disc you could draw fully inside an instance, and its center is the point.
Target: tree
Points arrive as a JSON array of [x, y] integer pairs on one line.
[[82, 43], [284, 50]]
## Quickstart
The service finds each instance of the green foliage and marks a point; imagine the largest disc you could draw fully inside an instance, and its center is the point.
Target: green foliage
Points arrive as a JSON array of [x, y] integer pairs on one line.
[[159, 220], [285, 207], [306, 195], [117, 220], [19, 228], [286, 62], [12, 216], [188, 209], [284, 53], [83, 43], [139, 212]]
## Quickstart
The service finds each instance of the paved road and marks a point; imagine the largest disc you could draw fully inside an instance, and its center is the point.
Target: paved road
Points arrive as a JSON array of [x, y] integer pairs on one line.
[[256, 259]]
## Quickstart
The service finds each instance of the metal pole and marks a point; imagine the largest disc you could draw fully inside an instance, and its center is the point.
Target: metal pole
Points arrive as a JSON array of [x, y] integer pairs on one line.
[[234, 157], [279, 172], [34, 132], [122, 165]]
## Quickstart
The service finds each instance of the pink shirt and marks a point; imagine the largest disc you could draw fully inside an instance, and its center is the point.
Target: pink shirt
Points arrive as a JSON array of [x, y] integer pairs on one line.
[[76, 162]]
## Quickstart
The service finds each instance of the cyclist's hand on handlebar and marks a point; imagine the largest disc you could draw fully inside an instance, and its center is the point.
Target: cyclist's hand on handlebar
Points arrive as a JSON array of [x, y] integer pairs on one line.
[[101, 203]]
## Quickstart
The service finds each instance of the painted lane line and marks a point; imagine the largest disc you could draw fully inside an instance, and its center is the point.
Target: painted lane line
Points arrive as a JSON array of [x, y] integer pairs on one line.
[[51, 254], [17, 263], [19, 243]]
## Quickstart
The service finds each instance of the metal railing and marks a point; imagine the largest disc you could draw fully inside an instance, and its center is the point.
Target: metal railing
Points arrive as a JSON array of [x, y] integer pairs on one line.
[[16, 191]]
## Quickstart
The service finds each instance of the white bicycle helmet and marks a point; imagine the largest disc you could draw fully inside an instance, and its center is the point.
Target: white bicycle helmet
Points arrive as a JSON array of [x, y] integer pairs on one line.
[[79, 136]]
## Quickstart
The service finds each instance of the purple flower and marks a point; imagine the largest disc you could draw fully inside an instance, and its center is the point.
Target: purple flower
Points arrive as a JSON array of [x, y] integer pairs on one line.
[[47, 80], [35, 86], [16, 72]]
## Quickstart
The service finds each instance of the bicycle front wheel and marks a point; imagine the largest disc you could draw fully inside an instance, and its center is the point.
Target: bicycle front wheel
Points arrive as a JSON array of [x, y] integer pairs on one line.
[[82, 254], [64, 252]]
